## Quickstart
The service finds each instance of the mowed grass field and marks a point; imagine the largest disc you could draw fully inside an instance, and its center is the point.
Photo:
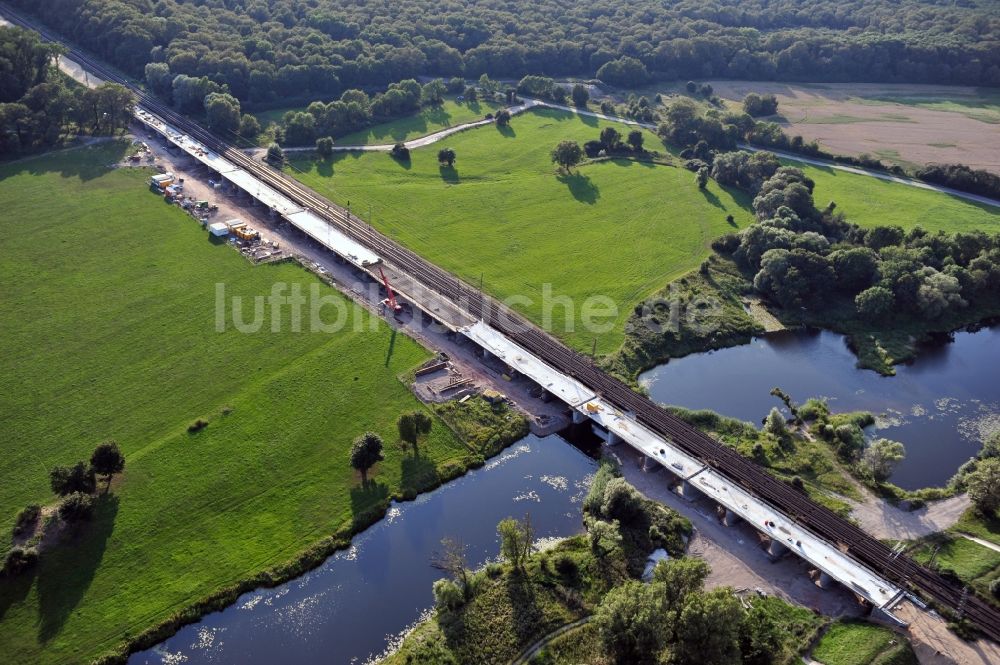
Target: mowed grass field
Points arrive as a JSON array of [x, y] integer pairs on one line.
[[108, 322], [618, 229], [427, 121], [870, 202]]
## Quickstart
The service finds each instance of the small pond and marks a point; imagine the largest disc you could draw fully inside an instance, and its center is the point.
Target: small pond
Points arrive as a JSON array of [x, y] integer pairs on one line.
[[940, 406]]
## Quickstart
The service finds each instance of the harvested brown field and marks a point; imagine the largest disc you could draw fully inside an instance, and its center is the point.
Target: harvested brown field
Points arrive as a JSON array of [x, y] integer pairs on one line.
[[904, 124]]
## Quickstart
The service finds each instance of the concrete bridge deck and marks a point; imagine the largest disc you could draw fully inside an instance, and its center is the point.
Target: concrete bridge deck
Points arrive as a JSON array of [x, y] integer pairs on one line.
[[581, 399], [309, 223], [620, 426]]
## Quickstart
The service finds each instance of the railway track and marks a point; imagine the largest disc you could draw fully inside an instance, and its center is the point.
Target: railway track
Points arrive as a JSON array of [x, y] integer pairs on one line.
[[821, 521]]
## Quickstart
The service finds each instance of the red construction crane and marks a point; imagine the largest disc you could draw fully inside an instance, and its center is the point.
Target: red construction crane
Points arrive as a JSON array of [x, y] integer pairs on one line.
[[391, 300]]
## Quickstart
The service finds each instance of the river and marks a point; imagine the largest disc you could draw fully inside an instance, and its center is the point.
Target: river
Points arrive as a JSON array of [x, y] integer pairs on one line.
[[940, 406], [361, 600]]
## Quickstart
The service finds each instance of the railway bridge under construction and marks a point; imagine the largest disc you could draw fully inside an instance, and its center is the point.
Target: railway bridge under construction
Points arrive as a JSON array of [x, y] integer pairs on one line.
[[843, 552]]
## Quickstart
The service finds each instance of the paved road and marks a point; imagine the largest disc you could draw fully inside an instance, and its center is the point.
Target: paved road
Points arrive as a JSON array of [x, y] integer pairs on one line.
[[806, 160], [423, 140], [984, 543], [975, 198], [536, 103]]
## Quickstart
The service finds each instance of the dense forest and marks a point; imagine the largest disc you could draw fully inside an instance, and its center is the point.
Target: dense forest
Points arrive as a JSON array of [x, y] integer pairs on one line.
[[804, 257], [307, 48], [39, 107]]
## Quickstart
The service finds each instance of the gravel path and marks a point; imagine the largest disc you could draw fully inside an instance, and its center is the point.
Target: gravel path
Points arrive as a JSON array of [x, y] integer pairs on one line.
[[884, 520]]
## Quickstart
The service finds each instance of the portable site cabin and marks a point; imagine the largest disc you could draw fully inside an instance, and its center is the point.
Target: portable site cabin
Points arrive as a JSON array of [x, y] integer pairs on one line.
[[233, 224], [162, 180], [218, 229]]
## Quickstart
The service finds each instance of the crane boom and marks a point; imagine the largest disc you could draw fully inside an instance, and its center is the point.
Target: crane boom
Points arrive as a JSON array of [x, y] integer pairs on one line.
[[388, 289]]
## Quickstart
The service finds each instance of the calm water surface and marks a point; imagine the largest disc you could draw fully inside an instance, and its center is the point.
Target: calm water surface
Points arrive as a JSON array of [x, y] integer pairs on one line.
[[354, 606], [940, 407]]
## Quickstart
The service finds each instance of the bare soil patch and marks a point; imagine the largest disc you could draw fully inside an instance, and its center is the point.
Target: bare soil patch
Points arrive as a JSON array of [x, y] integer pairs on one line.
[[904, 124]]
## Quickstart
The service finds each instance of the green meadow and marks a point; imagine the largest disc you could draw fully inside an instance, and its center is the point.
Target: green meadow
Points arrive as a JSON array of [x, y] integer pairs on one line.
[[620, 229], [617, 228], [870, 201], [427, 121], [108, 319]]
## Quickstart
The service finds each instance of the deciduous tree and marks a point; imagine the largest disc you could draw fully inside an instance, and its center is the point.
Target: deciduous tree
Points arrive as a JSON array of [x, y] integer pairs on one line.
[[516, 540], [984, 486], [635, 139], [107, 460], [324, 146], [366, 453], [66, 480], [567, 154], [880, 457], [446, 156]]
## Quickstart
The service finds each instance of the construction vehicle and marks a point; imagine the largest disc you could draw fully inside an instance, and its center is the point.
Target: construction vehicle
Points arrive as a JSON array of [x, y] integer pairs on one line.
[[390, 302], [244, 232]]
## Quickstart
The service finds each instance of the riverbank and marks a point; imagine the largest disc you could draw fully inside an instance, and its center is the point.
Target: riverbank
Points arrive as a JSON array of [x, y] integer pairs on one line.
[[508, 427], [361, 599], [572, 603], [714, 308], [941, 407]]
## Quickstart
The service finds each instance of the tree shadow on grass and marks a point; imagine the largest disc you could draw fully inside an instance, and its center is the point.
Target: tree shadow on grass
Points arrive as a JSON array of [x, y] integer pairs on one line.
[[324, 167], [418, 474], [712, 198], [369, 502], [525, 614], [448, 174], [506, 131], [14, 590], [66, 571], [83, 162], [581, 187], [406, 163], [438, 115]]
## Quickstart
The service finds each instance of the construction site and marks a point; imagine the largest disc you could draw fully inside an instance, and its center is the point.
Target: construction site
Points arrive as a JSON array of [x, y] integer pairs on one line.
[[615, 412]]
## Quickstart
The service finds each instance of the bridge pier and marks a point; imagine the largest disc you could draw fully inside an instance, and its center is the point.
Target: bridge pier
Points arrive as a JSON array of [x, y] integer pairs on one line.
[[578, 417], [613, 439], [776, 549], [824, 581], [730, 518], [649, 465], [688, 491]]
